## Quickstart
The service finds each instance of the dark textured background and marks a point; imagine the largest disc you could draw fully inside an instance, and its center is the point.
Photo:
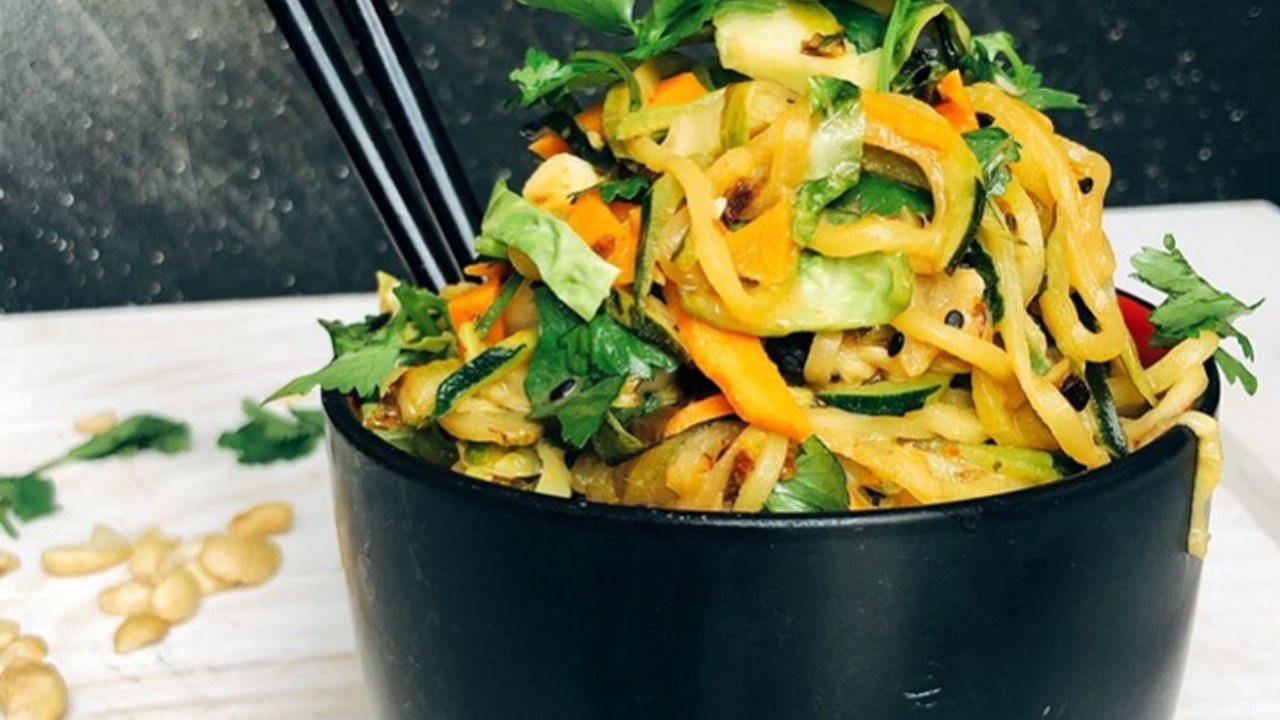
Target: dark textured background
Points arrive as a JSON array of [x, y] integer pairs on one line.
[[158, 152]]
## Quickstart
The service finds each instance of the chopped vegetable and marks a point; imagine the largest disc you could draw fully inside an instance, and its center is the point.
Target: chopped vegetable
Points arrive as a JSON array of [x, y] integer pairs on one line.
[[995, 150], [956, 106], [577, 276], [698, 412], [739, 366], [835, 151], [578, 368], [818, 485]]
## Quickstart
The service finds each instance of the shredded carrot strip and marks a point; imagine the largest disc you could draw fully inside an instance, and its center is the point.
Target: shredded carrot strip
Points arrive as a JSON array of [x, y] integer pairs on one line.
[[677, 90], [739, 366], [956, 106], [911, 119], [548, 144], [592, 119], [468, 306], [597, 224], [696, 413]]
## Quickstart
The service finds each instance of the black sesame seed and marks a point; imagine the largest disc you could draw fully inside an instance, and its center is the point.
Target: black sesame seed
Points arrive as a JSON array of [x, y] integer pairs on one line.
[[1086, 185], [562, 389], [896, 341], [985, 120], [1011, 221], [955, 319], [1076, 392]]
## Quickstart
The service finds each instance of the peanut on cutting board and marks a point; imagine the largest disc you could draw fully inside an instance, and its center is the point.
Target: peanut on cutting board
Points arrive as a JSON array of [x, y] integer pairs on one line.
[[30, 687], [8, 562], [169, 577]]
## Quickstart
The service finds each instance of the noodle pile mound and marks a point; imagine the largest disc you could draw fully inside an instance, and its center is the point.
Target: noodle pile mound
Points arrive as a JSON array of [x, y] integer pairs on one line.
[[844, 264]]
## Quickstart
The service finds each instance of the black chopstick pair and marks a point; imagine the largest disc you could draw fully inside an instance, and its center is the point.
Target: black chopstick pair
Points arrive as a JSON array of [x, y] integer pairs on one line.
[[428, 208]]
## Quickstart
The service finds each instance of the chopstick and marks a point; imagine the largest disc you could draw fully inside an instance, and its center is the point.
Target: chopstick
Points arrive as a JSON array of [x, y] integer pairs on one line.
[[428, 215], [413, 115]]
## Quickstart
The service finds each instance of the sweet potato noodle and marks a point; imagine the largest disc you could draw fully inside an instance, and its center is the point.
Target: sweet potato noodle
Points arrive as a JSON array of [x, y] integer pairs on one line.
[[843, 263]]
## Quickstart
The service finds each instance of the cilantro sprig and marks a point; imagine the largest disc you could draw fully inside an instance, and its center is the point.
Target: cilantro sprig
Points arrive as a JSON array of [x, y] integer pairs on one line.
[[993, 58], [32, 495], [579, 367], [267, 437], [1193, 306], [665, 25], [365, 352]]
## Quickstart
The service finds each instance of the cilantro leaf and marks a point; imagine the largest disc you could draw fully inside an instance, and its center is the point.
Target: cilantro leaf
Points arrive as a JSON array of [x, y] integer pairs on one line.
[[268, 437], [995, 149], [625, 189], [542, 76], [578, 367], [835, 151], [818, 485], [25, 497], [1193, 306], [139, 432], [425, 311], [863, 28], [907, 22], [364, 354], [992, 58], [878, 195], [609, 16], [669, 22]]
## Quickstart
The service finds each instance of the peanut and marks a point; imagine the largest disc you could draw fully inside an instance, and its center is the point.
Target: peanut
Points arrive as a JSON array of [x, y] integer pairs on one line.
[[105, 548], [95, 424], [126, 598], [32, 691], [240, 560], [8, 562], [176, 597], [268, 518], [139, 631], [9, 631], [24, 648], [150, 551], [208, 582]]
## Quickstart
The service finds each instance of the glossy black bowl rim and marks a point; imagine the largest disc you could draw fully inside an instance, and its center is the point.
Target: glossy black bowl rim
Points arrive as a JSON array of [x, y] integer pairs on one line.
[[411, 468]]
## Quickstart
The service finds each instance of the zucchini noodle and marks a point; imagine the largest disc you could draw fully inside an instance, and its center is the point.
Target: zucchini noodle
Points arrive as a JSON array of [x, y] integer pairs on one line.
[[826, 298]]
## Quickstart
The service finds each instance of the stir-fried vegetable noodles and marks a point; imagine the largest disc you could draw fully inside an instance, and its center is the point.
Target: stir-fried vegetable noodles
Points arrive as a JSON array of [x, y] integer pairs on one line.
[[845, 264]]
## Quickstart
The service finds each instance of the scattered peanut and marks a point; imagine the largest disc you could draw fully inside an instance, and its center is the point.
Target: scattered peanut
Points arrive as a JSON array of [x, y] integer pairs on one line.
[[208, 582], [150, 551], [32, 691], [240, 560], [269, 518], [168, 577], [95, 424], [9, 632], [138, 631], [24, 648], [8, 562], [30, 688], [176, 597], [127, 598], [106, 548]]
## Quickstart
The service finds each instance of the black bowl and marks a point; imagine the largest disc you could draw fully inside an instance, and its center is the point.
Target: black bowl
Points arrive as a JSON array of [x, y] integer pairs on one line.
[[478, 602]]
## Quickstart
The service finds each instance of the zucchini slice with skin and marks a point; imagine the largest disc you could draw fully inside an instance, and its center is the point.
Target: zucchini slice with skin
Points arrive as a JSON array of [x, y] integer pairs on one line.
[[889, 397], [483, 369]]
